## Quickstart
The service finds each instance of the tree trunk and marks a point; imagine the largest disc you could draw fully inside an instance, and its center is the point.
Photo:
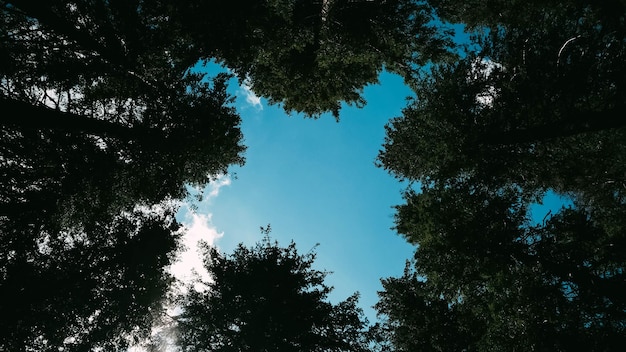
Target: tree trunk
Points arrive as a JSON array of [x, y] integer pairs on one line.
[[38, 117]]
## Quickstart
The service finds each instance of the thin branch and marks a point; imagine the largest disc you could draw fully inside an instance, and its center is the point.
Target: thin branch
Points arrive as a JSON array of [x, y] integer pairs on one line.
[[558, 59]]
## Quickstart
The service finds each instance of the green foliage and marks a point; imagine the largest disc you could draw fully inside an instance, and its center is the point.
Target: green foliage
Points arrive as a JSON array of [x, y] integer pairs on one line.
[[102, 114], [100, 286], [486, 275], [101, 118], [309, 55], [267, 298], [414, 320], [108, 116], [533, 95], [536, 107]]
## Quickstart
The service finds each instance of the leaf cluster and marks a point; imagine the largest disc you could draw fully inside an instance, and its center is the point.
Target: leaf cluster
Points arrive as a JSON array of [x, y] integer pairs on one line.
[[267, 298], [311, 56], [534, 108], [65, 288]]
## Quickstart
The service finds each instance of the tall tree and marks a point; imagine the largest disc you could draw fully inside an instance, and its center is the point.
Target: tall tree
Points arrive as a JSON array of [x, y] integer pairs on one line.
[[73, 175], [535, 107], [267, 298], [98, 287], [538, 104], [414, 319], [102, 115], [117, 74], [312, 55], [101, 103], [489, 278]]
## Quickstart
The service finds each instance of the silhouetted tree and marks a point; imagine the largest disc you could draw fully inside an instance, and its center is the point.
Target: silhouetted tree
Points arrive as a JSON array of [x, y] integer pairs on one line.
[[73, 175], [101, 107], [486, 278], [117, 74], [312, 55], [100, 286], [102, 113], [535, 106], [538, 104], [268, 298]]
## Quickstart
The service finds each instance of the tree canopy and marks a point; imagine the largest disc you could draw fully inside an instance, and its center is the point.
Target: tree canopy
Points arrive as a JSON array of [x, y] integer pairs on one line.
[[267, 298], [111, 83], [311, 56], [522, 104], [489, 276], [534, 106], [103, 114], [89, 85], [101, 286]]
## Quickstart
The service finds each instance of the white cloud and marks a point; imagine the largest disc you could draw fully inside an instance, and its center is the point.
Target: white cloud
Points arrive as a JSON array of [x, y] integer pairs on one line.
[[198, 229], [251, 98], [219, 182], [188, 266]]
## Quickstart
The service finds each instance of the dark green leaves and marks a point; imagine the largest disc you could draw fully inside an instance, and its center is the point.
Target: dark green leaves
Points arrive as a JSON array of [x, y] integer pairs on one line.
[[68, 288], [533, 108], [485, 273], [102, 118], [312, 56], [267, 298]]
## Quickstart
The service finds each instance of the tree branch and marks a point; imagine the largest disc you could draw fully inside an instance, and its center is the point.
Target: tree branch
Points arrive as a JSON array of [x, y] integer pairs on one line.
[[29, 116]]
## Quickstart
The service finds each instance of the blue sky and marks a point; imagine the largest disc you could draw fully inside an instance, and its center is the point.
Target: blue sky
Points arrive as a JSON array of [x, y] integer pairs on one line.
[[315, 182]]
